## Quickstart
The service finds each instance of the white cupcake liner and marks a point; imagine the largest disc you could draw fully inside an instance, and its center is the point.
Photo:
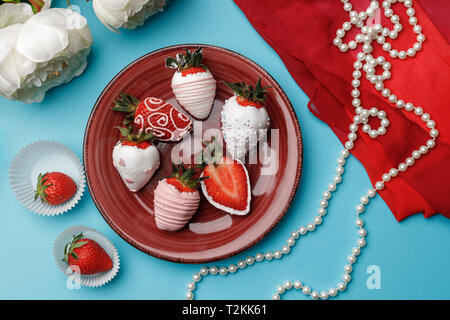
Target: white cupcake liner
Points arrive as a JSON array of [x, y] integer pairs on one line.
[[41, 157], [95, 280]]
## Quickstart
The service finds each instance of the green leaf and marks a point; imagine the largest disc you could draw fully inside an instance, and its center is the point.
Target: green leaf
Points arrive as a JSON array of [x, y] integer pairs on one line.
[[74, 255]]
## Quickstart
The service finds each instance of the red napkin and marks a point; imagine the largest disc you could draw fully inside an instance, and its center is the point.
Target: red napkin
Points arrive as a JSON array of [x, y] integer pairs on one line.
[[302, 32]]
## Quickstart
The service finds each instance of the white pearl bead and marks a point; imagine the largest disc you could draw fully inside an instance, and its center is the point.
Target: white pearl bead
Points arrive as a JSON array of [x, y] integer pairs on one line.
[[259, 257], [379, 185], [385, 92], [347, 278], [322, 211], [356, 251], [402, 167], [359, 222], [411, 52], [294, 235], [425, 117], [386, 177], [360, 208], [288, 285], [285, 250], [332, 292], [366, 128], [339, 170], [431, 144], [306, 290], [332, 187], [241, 264], [290, 242], [276, 296], [232, 268], [373, 134], [364, 199], [392, 98], [280, 289], [348, 269], [409, 161], [323, 203], [213, 270], [315, 295], [362, 243], [317, 220], [409, 106], [412, 21], [371, 193], [423, 150], [431, 124], [269, 256], [345, 153], [393, 172], [340, 161], [324, 295], [302, 231], [191, 286], [418, 111], [420, 37], [277, 254], [417, 46], [416, 154], [196, 277], [298, 285], [337, 179], [341, 286], [362, 232], [189, 295], [434, 133], [311, 227], [249, 261], [223, 271], [204, 271], [351, 259]]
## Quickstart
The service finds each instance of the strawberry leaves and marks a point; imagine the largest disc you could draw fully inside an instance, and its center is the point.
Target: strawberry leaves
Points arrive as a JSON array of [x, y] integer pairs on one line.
[[41, 187], [36, 5], [186, 61], [70, 246], [129, 135], [241, 89]]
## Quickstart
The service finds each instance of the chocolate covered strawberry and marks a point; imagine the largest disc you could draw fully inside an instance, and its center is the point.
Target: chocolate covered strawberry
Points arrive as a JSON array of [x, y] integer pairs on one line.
[[228, 184], [176, 199], [86, 257], [54, 188], [154, 114], [244, 118], [193, 84], [135, 158]]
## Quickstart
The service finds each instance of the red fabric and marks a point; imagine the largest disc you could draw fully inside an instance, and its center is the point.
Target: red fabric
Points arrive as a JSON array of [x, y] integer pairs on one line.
[[301, 31]]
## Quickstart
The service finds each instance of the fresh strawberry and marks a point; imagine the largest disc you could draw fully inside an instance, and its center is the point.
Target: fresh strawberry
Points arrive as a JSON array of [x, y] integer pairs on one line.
[[85, 256], [176, 198], [166, 122], [228, 185], [193, 84], [245, 120], [54, 188], [135, 158]]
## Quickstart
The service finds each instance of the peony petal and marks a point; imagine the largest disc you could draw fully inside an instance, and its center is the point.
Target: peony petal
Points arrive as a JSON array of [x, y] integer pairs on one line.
[[43, 36], [9, 77], [8, 38], [12, 13], [108, 16]]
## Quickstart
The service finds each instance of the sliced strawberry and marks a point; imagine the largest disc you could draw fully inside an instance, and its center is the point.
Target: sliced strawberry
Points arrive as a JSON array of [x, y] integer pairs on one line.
[[228, 186], [192, 70]]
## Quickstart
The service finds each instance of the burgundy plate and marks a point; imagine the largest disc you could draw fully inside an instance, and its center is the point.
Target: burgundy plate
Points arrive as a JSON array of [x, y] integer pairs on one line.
[[213, 234]]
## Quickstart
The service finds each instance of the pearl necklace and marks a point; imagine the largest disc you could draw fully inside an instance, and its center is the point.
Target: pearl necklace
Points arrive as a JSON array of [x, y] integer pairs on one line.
[[368, 35]]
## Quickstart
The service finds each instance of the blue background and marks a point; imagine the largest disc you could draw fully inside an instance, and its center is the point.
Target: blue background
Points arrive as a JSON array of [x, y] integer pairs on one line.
[[413, 256]]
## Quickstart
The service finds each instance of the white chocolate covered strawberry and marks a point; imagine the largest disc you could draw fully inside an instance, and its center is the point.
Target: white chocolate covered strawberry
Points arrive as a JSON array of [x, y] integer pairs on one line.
[[244, 118], [176, 199], [193, 84], [136, 159]]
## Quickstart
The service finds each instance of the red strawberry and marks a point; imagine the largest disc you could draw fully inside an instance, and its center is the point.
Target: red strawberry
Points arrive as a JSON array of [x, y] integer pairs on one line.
[[54, 188], [166, 122], [85, 256], [228, 185]]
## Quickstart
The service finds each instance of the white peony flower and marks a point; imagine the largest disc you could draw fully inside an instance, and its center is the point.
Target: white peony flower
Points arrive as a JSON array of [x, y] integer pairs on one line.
[[129, 14], [40, 51]]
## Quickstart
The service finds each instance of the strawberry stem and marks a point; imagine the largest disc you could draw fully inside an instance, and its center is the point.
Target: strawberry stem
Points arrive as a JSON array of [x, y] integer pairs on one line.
[[70, 246]]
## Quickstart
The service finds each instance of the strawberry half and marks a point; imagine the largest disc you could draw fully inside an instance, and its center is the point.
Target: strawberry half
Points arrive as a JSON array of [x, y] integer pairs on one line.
[[54, 188], [228, 185], [85, 256], [154, 114]]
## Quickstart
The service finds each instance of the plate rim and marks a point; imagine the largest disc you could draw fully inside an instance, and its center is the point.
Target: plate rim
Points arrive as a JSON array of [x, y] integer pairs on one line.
[[169, 258]]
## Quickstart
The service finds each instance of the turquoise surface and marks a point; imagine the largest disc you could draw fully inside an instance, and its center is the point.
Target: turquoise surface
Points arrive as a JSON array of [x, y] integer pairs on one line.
[[412, 258]]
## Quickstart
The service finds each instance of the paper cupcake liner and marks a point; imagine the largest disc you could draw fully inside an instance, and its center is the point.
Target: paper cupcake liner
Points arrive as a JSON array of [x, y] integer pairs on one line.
[[95, 280], [41, 157]]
